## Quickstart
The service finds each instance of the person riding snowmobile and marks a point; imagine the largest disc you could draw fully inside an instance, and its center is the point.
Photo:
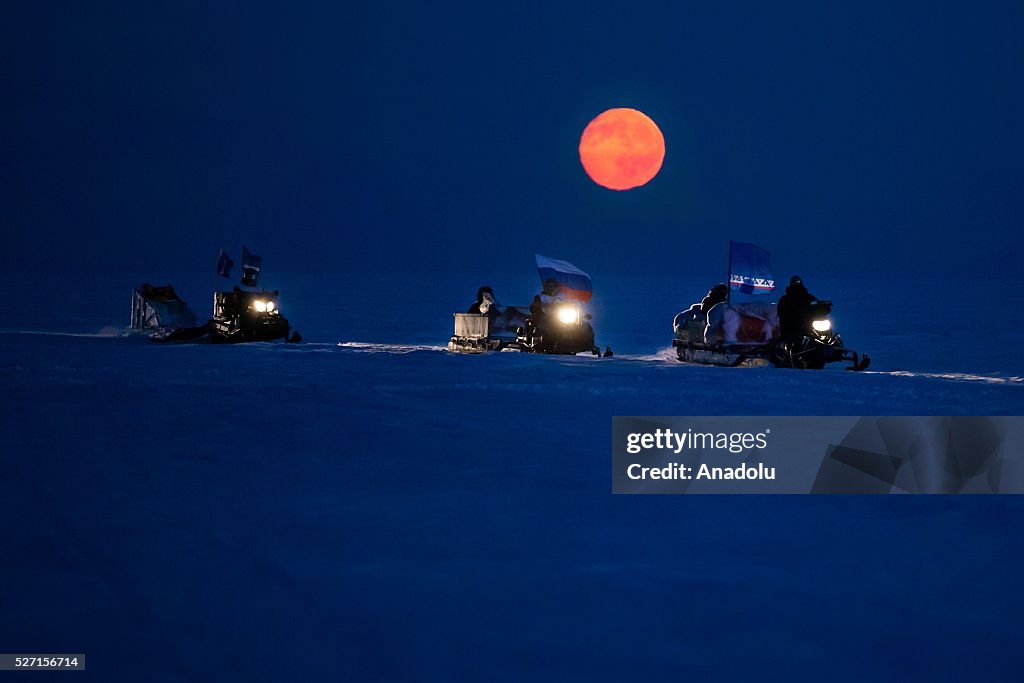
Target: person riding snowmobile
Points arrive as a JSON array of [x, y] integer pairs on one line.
[[551, 292], [537, 312], [715, 296], [794, 309], [543, 306]]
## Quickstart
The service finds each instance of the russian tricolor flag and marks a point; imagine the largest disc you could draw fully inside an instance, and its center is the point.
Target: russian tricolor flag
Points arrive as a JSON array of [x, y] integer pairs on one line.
[[573, 283]]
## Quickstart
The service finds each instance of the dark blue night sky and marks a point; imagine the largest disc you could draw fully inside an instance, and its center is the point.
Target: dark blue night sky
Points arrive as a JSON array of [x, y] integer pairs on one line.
[[421, 136], [368, 506]]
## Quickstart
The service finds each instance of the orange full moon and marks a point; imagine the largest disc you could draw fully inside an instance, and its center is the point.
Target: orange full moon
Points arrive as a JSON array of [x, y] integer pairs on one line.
[[622, 149]]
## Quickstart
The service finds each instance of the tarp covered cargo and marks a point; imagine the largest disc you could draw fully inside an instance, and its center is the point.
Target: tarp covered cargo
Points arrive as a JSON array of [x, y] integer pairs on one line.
[[159, 309], [742, 323], [736, 323]]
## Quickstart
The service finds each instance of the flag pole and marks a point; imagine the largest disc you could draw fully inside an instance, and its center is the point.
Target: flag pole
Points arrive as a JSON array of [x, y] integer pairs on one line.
[[216, 281], [728, 277]]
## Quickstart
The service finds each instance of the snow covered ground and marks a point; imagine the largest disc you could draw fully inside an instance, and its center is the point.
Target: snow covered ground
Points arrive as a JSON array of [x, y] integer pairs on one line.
[[366, 506]]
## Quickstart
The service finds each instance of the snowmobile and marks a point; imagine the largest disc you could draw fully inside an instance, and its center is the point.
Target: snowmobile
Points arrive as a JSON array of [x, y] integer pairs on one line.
[[819, 346], [516, 329], [569, 333], [242, 316], [754, 339]]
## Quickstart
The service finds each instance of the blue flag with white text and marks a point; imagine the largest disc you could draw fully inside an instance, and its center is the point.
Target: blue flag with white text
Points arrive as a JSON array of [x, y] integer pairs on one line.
[[750, 269]]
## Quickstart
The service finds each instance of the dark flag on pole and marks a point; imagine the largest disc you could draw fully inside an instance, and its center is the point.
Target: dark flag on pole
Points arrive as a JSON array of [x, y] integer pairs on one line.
[[224, 265], [251, 265]]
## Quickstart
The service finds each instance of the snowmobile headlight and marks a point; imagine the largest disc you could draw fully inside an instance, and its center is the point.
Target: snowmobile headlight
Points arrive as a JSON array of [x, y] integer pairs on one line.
[[822, 325], [570, 315], [270, 306], [260, 306]]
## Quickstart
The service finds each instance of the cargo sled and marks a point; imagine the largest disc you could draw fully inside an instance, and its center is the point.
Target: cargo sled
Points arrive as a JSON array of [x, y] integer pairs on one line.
[[472, 334], [746, 343], [161, 312]]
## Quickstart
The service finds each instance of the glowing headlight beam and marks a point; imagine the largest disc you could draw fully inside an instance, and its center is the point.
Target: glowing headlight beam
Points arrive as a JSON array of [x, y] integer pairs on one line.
[[270, 306], [822, 325], [569, 314], [260, 306]]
